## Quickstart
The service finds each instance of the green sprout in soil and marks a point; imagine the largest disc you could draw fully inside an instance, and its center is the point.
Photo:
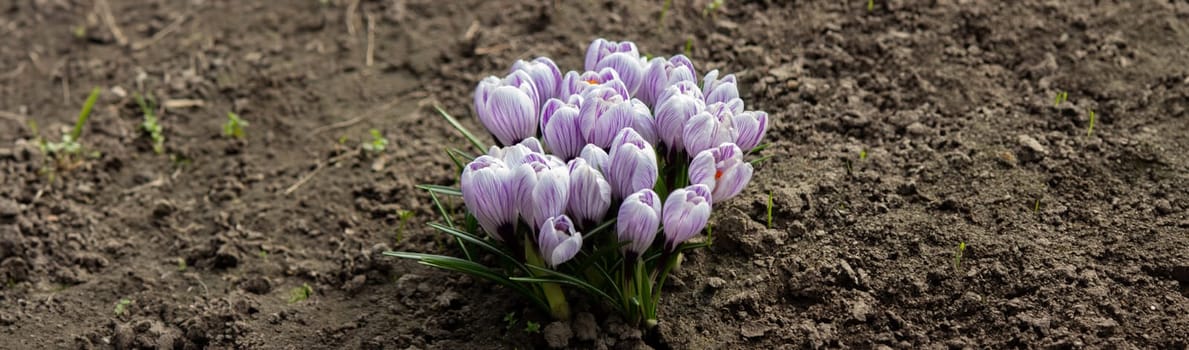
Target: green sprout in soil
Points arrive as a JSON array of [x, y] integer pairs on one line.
[[299, 294], [712, 7], [1093, 117], [660, 22], [234, 126], [769, 209], [870, 5], [532, 327], [863, 154], [122, 306], [343, 140], [1036, 207], [263, 254], [404, 216], [958, 256], [689, 47], [181, 264], [511, 321], [1061, 97], [150, 125], [70, 142], [378, 143]]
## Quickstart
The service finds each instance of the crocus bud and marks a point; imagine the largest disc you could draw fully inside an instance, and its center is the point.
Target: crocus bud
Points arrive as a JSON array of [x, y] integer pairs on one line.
[[575, 83], [558, 241], [508, 107], [600, 48], [685, 213], [660, 73], [638, 221], [631, 165], [489, 189], [590, 194], [722, 169], [643, 122], [722, 90], [545, 76], [751, 126], [560, 127], [604, 112], [595, 156], [708, 129], [544, 189], [675, 106]]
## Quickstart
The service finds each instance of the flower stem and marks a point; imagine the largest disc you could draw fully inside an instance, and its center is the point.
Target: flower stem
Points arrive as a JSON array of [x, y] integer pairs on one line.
[[559, 308]]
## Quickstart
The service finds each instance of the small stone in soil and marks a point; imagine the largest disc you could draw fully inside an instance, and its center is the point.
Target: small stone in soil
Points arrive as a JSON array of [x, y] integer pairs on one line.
[[716, 282], [584, 327], [558, 335]]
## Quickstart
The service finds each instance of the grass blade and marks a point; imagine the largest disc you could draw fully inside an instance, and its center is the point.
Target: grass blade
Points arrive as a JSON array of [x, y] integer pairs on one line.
[[446, 216], [558, 277], [443, 190], [454, 123], [600, 228], [84, 114], [481, 243]]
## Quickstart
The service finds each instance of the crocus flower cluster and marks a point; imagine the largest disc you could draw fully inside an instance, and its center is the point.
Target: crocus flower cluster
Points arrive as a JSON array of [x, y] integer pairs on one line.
[[594, 165], [573, 145]]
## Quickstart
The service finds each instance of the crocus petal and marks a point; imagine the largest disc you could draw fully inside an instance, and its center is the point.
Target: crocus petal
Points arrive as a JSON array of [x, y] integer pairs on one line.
[[590, 194], [604, 112], [685, 213], [545, 76], [560, 128], [709, 129], [751, 127], [643, 122], [659, 74], [732, 181], [550, 195], [600, 48], [595, 156], [638, 221], [702, 170], [631, 164], [628, 66], [677, 104]]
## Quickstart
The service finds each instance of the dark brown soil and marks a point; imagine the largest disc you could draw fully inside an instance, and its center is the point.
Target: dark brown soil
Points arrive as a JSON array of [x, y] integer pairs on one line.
[[1073, 240]]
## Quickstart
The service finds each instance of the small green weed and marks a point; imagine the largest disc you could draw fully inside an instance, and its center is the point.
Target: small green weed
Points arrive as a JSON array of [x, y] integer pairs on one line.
[[510, 320], [70, 142], [870, 5], [689, 47], [234, 126], [1061, 97], [122, 307], [958, 256], [404, 216], [182, 264], [378, 143], [532, 327], [712, 7], [769, 209], [1093, 118], [150, 124], [299, 294]]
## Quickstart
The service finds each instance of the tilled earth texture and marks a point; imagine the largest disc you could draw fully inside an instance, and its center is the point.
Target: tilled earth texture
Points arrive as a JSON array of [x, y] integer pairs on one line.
[[898, 133]]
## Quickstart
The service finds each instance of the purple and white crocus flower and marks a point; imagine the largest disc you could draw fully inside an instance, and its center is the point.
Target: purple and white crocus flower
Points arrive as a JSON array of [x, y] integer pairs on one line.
[[574, 83], [544, 74], [557, 241], [661, 74], [490, 189], [722, 169], [631, 165], [686, 212], [604, 112], [590, 194], [623, 57], [560, 127], [508, 107], [638, 221], [675, 106]]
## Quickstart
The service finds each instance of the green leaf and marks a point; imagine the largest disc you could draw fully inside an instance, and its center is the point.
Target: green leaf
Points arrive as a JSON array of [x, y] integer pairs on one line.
[[759, 160], [760, 148], [481, 243], [457, 126], [558, 277], [446, 216], [443, 190], [473, 269]]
